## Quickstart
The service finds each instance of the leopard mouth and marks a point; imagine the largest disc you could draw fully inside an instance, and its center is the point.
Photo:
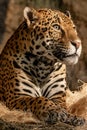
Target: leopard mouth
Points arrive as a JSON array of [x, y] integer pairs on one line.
[[72, 55], [70, 59], [62, 55]]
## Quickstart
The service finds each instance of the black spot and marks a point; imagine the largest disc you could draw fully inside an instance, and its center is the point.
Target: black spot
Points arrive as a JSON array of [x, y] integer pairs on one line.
[[43, 107], [17, 51], [57, 93], [4, 98], [2, 92], [37, 69], [15, 55], [26, 72], [39, 102], [43, 43], [17, 90], [24, 46], [35, 108], [14, 106], [49, 19], [46, 100], [31, 48], [28, 55], [17, 84], [38, 75], [11, 91], [16, 65], [59, 80], [66, 88], [44, 29], [33, 73], [23, 38], [22, 103], [26, 84], [27, 90], [37, 28], [37, 46], [35, 62], [22, 77], [33, 42], [41, 68], [17, 108], [41, 36], [23, 62], [38, 113], [21, 32], [26, 68], [49, 40], [34, 32], [43, 77], [46, 23], [31, 34], [48, 81], [55, 75], [17, 47], [50, 33], [17, 58], [31, 102], [62, 86], [16, 42], [54, 86], [40, 53], [37, 37]]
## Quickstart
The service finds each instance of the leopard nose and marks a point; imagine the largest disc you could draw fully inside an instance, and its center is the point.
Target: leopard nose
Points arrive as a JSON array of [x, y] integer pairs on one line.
[[76, 43]]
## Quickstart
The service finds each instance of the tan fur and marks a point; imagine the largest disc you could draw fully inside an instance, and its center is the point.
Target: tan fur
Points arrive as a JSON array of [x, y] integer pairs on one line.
[[77, 102]]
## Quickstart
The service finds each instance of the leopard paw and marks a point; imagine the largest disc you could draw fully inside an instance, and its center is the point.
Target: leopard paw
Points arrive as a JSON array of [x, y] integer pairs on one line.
[[77, 121], [51, 117], [67, 118]]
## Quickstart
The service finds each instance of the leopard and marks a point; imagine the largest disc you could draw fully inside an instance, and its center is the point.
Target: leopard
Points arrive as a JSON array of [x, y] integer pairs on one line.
[[33, 65]]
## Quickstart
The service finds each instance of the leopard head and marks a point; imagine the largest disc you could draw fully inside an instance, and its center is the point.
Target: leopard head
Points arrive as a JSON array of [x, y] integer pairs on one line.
[[53, 34]]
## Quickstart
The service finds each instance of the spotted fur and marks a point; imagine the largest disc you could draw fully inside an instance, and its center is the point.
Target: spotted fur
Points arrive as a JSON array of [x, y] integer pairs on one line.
[[32, 65]]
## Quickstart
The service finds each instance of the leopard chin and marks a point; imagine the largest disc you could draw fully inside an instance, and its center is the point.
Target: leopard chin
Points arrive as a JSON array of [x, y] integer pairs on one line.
[[71, 60], [67, 59]]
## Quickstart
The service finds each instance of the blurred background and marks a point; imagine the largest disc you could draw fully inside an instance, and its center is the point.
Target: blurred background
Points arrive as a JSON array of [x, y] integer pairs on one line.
[[11, 15]]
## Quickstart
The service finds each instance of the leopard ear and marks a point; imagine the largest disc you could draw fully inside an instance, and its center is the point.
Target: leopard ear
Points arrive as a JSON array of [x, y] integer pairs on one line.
[[30, 15], [68, 13]]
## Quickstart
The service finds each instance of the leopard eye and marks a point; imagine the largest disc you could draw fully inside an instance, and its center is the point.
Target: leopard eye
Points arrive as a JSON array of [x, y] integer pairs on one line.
[[56, 26]]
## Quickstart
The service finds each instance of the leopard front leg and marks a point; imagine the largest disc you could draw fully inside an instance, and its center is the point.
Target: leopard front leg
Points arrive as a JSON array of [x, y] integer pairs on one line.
[[42, 108], [64, 115], [55, 90], [45, 110]]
